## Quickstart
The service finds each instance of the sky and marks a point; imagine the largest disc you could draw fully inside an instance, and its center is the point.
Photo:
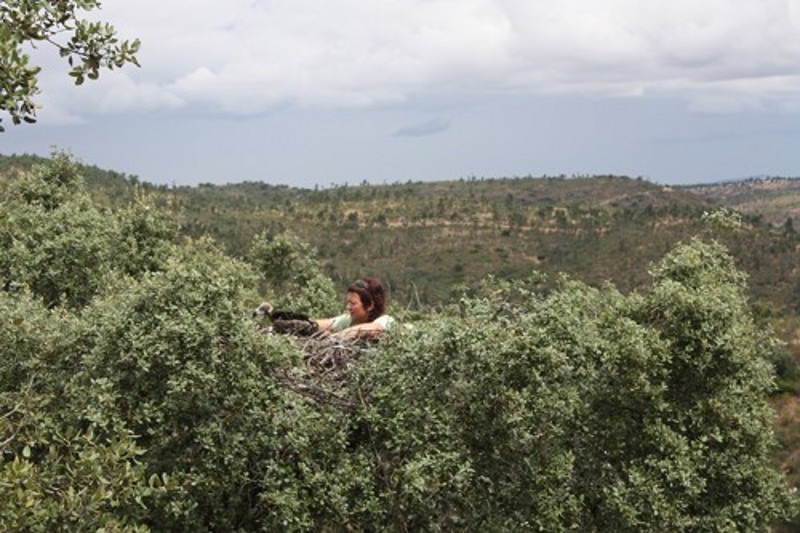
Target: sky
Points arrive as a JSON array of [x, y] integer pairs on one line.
[[329, 92]]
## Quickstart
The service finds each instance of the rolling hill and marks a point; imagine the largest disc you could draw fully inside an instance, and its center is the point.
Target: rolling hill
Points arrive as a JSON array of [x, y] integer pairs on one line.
[[425, 238]]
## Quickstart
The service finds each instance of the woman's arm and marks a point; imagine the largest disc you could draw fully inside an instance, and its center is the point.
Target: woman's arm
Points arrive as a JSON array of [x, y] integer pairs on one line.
[[324, 324], [361, 331]]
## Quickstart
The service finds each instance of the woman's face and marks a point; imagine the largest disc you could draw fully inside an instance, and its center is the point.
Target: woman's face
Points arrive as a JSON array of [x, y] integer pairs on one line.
[[355, 308]]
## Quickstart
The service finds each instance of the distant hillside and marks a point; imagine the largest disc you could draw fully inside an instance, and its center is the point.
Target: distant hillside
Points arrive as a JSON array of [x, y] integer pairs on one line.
[[775, 199], [424, 238]]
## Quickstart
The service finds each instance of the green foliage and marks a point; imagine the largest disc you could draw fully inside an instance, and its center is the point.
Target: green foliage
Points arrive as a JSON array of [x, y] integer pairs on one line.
[[469, 435], [89, 47], [54, 240], [291, 276], [58, 470], [583, 410], [57, 242], [181, 367], [715, 419], [723, 218], [151, 400], [422, 238], [145, 237]]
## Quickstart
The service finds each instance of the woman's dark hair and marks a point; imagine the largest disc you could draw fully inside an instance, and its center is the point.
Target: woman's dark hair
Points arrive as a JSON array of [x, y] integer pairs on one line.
[[370, 292]]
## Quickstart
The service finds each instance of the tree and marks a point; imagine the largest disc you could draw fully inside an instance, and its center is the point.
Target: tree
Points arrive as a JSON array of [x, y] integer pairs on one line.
[[88, 47], [59, 470], [291, 275], [580, 410], [63, 247], [135, 389], [153, 400]]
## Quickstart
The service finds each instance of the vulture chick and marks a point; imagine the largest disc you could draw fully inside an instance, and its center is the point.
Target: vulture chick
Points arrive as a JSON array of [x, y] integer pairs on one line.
[[287, 321], [266, 309]]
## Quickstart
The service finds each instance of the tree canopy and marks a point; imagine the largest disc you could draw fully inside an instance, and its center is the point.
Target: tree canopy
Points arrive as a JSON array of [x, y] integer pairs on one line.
[[137, 392], [88, 47]]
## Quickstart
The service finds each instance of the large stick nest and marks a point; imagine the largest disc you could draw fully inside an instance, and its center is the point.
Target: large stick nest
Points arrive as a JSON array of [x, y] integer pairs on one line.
[[329, 356], [328, 361]]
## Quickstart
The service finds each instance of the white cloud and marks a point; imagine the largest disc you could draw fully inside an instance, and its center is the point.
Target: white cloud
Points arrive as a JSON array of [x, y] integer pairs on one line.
[[114, 93], [246, 56]]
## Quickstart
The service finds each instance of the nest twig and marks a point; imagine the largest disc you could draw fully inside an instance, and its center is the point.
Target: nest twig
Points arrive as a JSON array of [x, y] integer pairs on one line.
[[328, 360], [330, 356], [309, 388]]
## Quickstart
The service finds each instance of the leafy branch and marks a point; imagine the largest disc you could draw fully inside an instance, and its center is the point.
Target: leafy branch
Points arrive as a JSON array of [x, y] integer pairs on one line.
[[89, 47]]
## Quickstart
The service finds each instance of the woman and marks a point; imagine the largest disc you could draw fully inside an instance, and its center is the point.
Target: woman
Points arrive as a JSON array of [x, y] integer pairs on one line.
[[366, 304]]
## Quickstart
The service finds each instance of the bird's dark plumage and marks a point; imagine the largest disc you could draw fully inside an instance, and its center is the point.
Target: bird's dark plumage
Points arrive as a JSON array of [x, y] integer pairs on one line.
[[266, 309], [287, 321]]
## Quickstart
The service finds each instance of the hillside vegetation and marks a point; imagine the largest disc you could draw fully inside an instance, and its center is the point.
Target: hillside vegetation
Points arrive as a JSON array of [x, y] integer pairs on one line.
[[425, 238], [775, 199], [137, 392]]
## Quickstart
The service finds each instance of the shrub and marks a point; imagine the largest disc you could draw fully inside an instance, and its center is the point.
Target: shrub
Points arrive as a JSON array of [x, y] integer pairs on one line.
[[58, 469], [291, 276], [136, 392], [580, 409], [56, 242]]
